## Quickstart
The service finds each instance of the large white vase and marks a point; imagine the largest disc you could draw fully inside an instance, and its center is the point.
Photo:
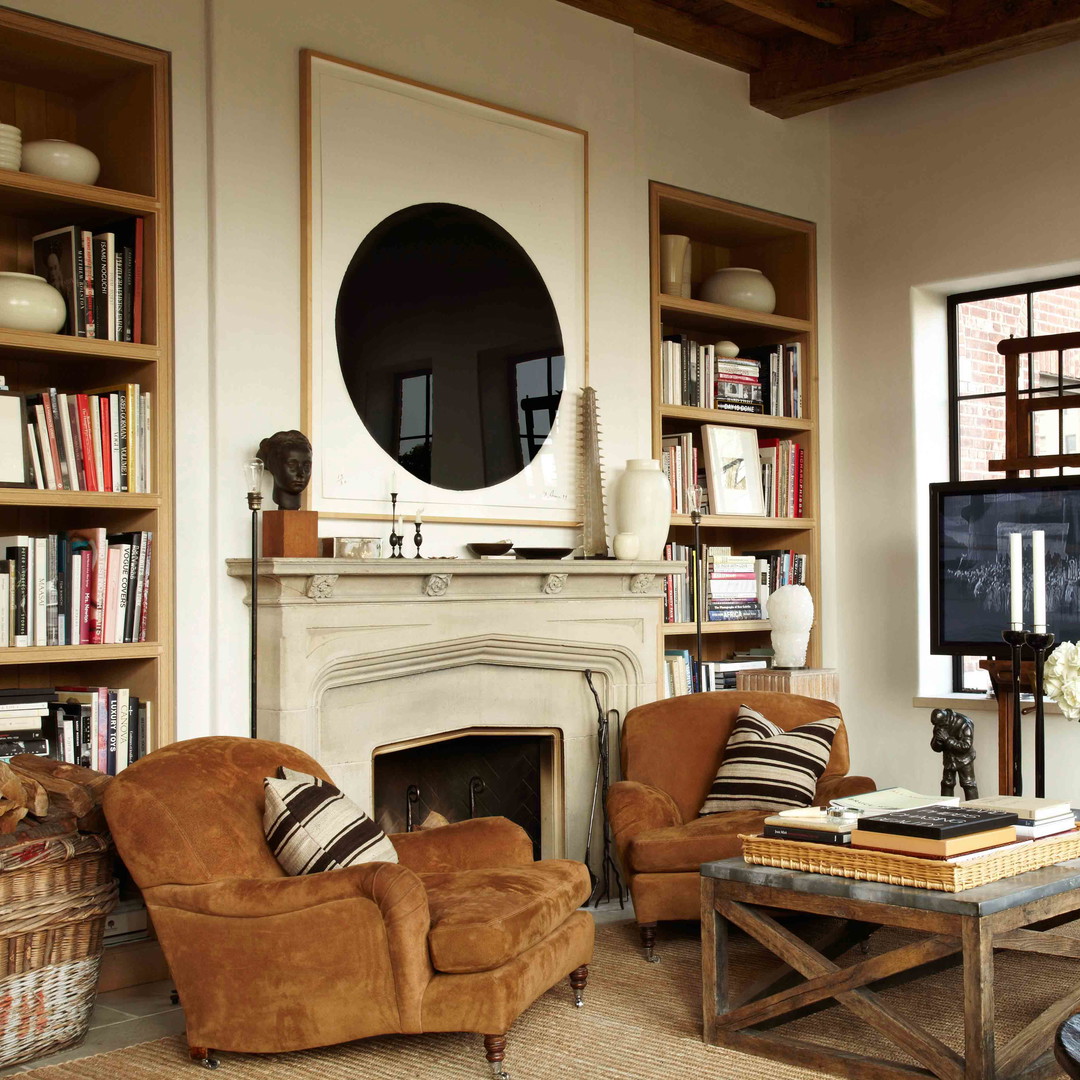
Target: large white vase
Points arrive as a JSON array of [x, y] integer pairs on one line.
[[643, 506], [740, 286], [791, 612], [675, 264], [29, 302], [60, 160]]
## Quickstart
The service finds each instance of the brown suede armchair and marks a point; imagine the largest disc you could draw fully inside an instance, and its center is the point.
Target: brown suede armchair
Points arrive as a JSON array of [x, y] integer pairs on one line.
[[671, 750], [462, 934]]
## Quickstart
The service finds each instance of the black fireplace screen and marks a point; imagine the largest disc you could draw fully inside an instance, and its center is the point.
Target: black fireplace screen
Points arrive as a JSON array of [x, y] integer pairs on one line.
[[469, 776]]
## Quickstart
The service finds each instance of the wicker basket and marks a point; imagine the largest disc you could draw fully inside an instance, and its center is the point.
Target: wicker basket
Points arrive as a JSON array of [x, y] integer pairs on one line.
[[866, 865], [54, 896]]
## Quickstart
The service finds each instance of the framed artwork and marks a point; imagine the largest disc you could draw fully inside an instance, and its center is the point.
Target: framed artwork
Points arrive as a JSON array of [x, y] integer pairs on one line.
[[733, 470], [408, 190], [14, 471]]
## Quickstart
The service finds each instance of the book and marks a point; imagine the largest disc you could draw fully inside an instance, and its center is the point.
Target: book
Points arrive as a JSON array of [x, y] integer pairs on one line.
[[938, 822], [886, 800], [55, 255], [808, 836], [97, 548], [924, 847], [1047, 827], [104, 265], [17, 550], [1027, 808]]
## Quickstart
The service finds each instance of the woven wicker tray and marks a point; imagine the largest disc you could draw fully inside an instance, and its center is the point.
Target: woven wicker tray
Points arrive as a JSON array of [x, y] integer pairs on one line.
[[866, 865]]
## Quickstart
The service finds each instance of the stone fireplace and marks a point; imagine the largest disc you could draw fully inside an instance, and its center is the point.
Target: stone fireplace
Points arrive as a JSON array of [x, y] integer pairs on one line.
[[361, 657]]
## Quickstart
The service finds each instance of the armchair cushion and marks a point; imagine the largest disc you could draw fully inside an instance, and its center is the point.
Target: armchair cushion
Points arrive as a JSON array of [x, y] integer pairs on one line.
[[765, 767], [311, 827], [481, 919], [686, 847]]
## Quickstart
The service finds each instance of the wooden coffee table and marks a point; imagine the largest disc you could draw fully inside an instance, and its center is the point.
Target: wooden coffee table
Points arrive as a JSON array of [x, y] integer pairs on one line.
[[1018, 913]]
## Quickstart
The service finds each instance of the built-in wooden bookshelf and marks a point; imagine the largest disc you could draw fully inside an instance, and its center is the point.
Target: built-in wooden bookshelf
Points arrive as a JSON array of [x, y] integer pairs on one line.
[[62, 82], [723, 234]]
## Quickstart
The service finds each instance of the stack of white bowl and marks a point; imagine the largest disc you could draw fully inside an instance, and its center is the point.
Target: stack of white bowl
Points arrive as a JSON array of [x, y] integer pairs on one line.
[[10, 147]]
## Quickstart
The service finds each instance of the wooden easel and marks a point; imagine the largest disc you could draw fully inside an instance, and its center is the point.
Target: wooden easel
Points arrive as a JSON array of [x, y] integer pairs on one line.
[[1020, 410]]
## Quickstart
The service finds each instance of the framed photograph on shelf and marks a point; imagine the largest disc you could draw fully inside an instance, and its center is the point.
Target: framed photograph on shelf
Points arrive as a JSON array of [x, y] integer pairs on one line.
[[733, 470], [13, 452]]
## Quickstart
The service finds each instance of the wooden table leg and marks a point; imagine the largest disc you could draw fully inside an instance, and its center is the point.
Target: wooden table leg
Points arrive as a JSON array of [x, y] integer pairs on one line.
[[978, 939], [714, 960]]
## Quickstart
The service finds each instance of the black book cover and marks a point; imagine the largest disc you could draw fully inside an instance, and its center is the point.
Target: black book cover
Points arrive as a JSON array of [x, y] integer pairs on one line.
[[54, 260], [102, 296], [86, 736], [937, 822], [133, 729], [143, 735], [808, 836], [19, 557], [111, 735], [63, 598]]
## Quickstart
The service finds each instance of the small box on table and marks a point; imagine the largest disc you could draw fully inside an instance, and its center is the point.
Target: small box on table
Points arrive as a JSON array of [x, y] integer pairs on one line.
[[823, 683]]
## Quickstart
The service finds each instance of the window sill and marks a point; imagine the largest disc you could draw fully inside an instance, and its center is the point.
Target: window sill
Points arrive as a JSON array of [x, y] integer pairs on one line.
[[969, 703]]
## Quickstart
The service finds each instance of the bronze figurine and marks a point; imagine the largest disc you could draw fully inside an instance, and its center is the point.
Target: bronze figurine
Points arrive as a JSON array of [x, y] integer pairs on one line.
[[954, 739], [287, 456]]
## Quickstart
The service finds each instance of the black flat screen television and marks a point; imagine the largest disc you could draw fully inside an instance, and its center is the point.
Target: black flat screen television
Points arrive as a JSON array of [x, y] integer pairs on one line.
[[970, 523]]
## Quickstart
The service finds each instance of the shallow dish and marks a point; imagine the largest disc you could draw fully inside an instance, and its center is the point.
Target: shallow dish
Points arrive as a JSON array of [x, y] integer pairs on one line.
[[542, 552], [495, 547]]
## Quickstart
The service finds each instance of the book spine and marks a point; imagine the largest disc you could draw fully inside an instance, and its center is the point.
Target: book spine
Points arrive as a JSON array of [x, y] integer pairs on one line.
[[86, 441], [35, 456], [87, 240], [123, 439], [40, 584], [105, 440], [114, 438], [102, 297], [118, 299], [52, 591], [112, 732], [67, 442], [80, 290], [137, 291], [86, 597], [144, 599]]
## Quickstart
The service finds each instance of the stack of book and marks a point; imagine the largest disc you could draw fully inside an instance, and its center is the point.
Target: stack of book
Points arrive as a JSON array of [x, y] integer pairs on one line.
[[24, 721], [678, 605], [936, 832], [784, 567], [101, 727], [1035, 818], [83, 587], [99, 275], [679, 462], [737, 384], [97, 441], [692, 374], [782, 479], [733, 589], [781, 377], [683, 675]]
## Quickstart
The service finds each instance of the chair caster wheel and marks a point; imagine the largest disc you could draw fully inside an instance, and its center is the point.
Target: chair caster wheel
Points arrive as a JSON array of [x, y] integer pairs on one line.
[[209, 1063], [174, 997]]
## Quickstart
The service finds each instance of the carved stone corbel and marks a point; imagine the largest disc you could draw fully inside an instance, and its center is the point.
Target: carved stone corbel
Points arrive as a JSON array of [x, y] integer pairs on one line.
[[553, 584], [321, 586], [641, 583], [437, 584]]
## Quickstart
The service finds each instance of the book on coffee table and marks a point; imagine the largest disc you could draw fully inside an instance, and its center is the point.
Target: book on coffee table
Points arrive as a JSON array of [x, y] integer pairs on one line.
[[888, 800], [922, 847], [938, 822], [1028, 810]]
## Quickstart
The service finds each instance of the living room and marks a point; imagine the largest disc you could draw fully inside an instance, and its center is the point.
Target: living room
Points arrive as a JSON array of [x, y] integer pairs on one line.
[[945, 186]]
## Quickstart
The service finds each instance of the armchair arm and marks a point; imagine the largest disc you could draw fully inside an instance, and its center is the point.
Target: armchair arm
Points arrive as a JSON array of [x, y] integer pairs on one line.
[[633, 808], [837, 787], [477, 844]]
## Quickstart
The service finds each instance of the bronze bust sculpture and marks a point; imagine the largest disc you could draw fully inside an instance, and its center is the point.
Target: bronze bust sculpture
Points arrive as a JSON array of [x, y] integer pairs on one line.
[[287, 456], [954, 739]]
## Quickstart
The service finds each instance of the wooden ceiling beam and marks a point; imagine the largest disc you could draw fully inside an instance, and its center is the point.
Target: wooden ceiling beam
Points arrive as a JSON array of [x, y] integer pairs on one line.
[[833, 25], [932, 9], [896, 48], [655, 20]]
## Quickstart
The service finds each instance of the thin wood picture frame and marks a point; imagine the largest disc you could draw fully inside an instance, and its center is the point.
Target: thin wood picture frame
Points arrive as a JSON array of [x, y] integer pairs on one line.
[[353, 474], [733, 470]]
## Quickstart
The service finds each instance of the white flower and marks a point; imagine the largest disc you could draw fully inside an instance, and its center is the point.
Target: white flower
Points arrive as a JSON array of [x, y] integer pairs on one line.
[[1061, 680]]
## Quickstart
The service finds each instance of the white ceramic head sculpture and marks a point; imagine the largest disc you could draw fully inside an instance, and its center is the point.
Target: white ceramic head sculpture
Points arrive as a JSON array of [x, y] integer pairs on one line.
[[791, 612]]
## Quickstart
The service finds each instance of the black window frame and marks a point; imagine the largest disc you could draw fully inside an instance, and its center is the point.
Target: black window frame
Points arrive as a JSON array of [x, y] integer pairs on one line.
[[953, 301]]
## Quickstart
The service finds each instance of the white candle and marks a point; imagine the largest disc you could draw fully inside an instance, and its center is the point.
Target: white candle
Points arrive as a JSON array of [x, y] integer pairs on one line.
[[418, 519], [1016, 580], [1038, 580], [393, 483]]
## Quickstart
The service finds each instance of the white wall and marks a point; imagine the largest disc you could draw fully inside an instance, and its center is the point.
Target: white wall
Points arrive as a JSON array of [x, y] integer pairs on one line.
[[651, 113], [936, 188]]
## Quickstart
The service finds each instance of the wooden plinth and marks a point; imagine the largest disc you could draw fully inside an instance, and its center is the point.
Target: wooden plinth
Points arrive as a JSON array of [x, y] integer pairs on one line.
[[290, 534], [823, 683]]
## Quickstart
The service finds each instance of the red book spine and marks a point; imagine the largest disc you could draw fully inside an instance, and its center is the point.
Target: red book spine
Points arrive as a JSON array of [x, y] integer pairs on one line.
[[54, 446], [86, 436], [106, 443]]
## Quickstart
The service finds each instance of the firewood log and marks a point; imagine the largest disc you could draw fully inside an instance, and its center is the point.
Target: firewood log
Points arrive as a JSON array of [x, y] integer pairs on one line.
[[70, 787], [34, 795], [11, 813]]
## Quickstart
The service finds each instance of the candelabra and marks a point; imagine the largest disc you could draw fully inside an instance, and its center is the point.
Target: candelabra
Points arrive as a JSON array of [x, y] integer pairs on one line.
[[1016, 639], [699, 578], [1040, 644], [253, 474], [418, 540]]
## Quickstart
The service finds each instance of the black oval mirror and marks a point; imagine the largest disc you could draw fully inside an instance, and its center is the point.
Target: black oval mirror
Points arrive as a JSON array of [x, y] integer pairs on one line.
[[450, 346]]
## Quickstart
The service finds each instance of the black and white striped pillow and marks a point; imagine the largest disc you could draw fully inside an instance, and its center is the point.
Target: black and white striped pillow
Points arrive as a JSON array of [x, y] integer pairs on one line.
[[767, 768], [310, 826]]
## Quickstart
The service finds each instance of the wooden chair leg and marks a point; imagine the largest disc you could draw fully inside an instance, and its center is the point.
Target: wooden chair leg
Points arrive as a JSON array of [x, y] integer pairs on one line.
[[578, 978], [204, 1056], [648, 940], [495, 1049]]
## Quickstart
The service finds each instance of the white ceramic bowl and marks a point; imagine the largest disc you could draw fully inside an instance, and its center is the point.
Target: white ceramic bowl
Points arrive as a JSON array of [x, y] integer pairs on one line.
[[60, 160], [29, 302]]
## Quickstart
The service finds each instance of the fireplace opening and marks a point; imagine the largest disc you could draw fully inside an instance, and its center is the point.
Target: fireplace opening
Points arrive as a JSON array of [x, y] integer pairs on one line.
[[489, 772]]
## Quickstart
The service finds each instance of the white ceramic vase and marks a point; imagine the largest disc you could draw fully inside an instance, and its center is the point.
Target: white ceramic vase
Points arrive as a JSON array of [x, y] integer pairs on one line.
[[29, 302], [741, 287], [60, 160], [791, 612], [674, 268], [643, 501], [626, 546]]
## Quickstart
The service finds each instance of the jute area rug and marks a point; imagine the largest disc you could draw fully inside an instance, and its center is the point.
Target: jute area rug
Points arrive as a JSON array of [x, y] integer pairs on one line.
[[640, 1021]]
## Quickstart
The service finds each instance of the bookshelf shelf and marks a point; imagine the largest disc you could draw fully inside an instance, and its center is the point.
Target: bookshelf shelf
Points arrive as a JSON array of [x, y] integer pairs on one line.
[[741, 627], [66, 654], [40, 196], [106, 500], [63, 348], [724, 233]]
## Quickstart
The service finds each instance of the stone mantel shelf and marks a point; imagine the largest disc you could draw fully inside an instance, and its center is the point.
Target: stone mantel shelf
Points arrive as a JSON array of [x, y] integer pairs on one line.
[[381, 579]]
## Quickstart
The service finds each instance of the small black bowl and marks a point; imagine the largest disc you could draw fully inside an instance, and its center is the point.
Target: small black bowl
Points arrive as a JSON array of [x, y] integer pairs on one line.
[[500, 547], [542, 552]]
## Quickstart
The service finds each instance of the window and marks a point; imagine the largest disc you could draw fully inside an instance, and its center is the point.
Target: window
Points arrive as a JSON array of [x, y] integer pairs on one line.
[[977, 322], [414, 422], [538, 384]]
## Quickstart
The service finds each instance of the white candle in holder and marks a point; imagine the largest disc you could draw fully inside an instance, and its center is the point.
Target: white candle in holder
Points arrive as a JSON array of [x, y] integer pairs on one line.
[[1016, 581], [1038, 580]]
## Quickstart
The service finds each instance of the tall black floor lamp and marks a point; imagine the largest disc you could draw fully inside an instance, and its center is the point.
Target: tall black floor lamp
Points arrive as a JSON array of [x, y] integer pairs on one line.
[[253, 473]]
